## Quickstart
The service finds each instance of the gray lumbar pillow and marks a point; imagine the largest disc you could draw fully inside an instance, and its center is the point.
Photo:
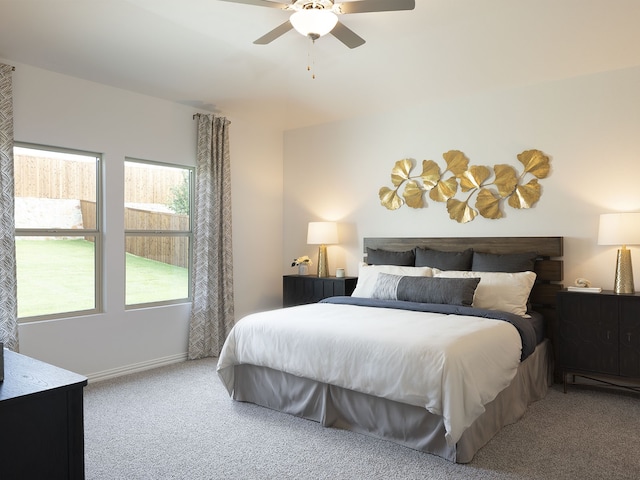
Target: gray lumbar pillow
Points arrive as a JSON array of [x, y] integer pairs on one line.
[[451, 291]]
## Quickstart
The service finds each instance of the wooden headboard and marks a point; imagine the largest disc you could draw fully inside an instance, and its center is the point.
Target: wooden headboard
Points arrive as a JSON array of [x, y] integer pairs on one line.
[[548, 267]]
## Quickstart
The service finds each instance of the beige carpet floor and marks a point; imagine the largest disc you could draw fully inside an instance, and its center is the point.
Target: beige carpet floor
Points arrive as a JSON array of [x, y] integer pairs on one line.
[[178, 422]]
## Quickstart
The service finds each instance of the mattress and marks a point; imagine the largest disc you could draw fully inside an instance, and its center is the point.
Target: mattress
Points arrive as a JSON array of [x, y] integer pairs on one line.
[[449, 365]]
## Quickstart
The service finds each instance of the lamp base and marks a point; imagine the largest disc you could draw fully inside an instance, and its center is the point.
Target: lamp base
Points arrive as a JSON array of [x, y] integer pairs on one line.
[[323, 263], [624, 272]]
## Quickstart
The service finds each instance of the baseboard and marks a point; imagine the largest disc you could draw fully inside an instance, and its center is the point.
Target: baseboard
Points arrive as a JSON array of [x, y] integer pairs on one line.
[[136, 367]]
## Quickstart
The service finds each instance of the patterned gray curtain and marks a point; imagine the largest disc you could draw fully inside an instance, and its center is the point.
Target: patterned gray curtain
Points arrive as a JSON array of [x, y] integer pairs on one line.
[[212, 313], [8, 290]]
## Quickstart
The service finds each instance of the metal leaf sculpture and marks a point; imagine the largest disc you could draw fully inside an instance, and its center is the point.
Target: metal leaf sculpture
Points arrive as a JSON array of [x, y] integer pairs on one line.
[[506, 179], [460, 211], [488, 204], [526, 195], [474, 179], [400, 173], [413, 194], [444, 190], [430, 174]]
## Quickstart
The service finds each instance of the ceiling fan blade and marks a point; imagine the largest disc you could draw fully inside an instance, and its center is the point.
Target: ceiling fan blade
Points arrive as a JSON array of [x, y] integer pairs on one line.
[[261, 3], [347, 36], [275, 33], [363, 6]]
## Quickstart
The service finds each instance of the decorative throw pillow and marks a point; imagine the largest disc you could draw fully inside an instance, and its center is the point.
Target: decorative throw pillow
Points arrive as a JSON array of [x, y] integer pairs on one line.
[[368, 274], [449, 291], [425, 257], [511, 263], [388, 257], [508, 292]]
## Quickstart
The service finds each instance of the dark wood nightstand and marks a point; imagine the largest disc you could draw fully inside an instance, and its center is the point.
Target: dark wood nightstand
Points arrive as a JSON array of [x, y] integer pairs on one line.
[[598, 337], [41, 419], [301, 289]]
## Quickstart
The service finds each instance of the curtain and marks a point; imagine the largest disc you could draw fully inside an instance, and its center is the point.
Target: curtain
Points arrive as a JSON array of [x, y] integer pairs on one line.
[[8, 287], [212, 313]]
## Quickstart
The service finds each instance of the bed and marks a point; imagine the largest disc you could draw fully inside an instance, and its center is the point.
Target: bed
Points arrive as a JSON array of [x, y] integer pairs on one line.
[[442, 343]]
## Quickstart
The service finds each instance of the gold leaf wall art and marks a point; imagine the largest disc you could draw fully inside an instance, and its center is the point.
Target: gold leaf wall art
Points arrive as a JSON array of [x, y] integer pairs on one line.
[[489, 186]]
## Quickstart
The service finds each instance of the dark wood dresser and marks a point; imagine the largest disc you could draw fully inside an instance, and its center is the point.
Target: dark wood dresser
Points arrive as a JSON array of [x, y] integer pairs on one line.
[[599, 337], [41, 420]]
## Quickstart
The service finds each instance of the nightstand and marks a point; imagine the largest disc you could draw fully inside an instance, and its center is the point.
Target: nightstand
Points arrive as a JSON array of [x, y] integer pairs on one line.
[[598, 336], [301, 289]]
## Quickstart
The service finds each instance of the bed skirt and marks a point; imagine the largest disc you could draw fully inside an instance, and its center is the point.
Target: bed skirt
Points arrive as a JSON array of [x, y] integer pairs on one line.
[[407, 425]]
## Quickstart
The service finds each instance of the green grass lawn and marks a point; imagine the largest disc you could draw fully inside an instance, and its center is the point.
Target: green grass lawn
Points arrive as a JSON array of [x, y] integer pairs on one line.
[[152, 281], [58, 276]]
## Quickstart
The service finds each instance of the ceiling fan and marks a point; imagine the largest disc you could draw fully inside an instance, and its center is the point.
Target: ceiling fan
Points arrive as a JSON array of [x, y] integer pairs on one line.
[[314, 19]]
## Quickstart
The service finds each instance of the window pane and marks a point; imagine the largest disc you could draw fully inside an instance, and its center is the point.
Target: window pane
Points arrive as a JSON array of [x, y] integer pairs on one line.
[[157, 269], [55, 275], [157, 232], [57, 231], [54, 189], [156, 197]]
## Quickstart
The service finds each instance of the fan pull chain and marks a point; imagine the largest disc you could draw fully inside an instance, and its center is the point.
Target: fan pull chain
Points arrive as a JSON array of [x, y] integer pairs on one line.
[[310, 58]]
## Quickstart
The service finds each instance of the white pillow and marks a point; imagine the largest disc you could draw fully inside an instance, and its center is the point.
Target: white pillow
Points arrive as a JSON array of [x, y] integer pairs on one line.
[[508, 292], [368, 274]]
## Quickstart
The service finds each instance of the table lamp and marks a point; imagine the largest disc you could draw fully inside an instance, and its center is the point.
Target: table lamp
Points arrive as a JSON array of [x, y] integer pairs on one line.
[[621, 229], [323, 234]]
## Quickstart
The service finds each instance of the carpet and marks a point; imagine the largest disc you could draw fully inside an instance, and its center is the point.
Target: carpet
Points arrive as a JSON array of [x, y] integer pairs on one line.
[[178, 422]]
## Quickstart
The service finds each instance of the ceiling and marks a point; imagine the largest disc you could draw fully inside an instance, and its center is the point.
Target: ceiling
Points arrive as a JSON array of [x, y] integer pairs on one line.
[[200, 52]]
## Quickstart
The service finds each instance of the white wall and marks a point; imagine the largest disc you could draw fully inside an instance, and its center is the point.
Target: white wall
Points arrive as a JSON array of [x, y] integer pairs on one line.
[[57, 110], [588, 126]]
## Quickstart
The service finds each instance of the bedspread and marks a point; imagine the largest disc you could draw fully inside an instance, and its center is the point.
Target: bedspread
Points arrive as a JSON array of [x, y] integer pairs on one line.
[[452, 365]]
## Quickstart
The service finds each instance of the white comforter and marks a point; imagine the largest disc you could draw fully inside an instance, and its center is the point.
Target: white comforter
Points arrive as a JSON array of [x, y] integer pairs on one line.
[[450, 364]]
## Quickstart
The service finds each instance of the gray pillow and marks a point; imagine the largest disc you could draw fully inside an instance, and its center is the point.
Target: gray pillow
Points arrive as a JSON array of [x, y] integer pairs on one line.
[[425, 257], [388, 257], [449, 291], [508, 263]]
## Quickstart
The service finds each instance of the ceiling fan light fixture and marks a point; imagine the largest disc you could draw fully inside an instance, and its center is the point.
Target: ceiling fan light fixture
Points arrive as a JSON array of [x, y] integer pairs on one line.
[[314, 22]]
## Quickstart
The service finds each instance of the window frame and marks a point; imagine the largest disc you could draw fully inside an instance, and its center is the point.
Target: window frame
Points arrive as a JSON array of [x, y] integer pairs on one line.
[[96, 232], [188, 234]]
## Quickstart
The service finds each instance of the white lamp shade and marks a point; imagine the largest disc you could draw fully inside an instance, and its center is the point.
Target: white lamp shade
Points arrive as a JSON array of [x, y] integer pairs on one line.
[[322, 233], [619, 229], [314, 21]]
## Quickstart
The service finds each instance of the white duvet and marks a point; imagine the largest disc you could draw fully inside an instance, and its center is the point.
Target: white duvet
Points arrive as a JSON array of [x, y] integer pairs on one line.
[[452, 365]]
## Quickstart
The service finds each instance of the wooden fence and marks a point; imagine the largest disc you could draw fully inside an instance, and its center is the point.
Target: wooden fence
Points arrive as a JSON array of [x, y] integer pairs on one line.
[[171, 250], [60, 178], [88, 210], [160, 181], [165, 249], [140, 219], [54, 178]]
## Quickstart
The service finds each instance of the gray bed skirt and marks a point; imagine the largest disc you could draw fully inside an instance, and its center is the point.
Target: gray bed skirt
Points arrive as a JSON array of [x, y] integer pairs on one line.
[[407, 425]]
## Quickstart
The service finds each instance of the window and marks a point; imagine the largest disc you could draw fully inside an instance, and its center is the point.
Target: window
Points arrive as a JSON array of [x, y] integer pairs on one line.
[[58, 239], [158, 199]]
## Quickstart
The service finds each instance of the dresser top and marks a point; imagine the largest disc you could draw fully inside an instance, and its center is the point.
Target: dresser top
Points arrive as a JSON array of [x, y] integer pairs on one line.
[[25, 376]]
